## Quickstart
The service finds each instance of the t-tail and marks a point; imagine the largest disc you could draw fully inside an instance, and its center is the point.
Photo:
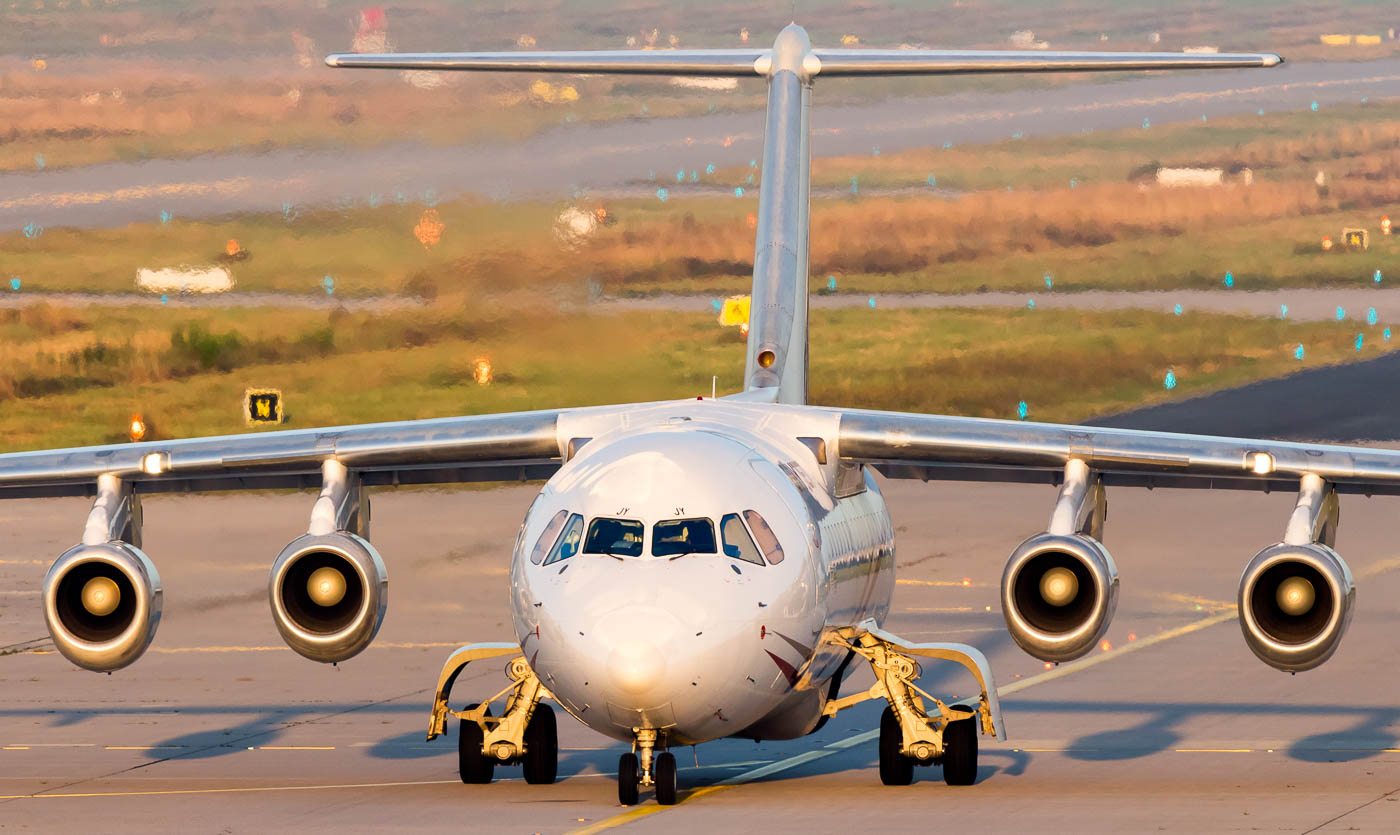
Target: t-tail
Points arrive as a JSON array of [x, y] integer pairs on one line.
[[775, 368]]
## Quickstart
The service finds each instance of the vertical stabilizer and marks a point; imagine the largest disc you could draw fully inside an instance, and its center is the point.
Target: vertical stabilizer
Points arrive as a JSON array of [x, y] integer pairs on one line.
[[777, 350]]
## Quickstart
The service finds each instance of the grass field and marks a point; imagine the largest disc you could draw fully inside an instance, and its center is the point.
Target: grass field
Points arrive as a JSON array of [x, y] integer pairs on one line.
[[74, 376]]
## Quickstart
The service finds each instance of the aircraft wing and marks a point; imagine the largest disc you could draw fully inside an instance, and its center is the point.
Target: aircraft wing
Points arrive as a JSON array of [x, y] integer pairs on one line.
[[521, 445], [868, 62], [903, 445]]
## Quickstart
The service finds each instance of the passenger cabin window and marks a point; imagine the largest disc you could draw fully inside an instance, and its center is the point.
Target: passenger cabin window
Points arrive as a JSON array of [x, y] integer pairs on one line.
[[551, 533], [737, 542], [682, 536], [619, 537], [767, 540], [567, 545]]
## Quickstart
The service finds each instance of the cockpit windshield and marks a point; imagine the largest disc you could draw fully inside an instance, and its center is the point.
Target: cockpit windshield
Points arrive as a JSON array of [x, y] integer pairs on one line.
[[618, 537], [682, 536]]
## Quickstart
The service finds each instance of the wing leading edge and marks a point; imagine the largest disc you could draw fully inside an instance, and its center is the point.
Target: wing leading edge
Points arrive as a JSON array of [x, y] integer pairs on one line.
[[496, 447], [903, 445]]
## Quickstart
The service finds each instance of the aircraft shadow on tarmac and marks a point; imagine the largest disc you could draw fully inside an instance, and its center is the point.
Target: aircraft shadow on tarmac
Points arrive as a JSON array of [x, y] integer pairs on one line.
[[1156, 733]]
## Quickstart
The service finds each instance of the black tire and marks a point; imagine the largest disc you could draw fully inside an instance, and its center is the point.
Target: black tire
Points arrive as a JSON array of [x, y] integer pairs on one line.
[[665, 776], [541, 760], [895, 768], [627, 780], [474, 766], [960, 750]]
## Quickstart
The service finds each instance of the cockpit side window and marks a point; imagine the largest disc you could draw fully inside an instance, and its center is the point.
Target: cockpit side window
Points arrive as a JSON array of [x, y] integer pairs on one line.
[[618, 537], [767, 540], [524, 523], [551, 533], [682, 536], [737, 542], [567, 545]]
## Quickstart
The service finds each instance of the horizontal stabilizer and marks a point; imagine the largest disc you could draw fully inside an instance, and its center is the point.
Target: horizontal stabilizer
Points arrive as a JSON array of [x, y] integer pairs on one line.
[[848, 62], [703, 62], [746, 63]]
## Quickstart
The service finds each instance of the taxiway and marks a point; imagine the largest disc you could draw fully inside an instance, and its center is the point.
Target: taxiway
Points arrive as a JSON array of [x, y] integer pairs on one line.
[[1171, 725]]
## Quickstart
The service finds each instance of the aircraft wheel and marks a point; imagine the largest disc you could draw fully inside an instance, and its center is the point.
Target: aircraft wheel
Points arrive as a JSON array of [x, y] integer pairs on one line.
[[960, 751], [474, 766], [665, 769], [627, 780], [541, 758], [895, 768]]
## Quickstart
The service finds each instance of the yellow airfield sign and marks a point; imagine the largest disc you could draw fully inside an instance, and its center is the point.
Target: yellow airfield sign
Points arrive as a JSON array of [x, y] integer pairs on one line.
[[734, 311], [262, 407]]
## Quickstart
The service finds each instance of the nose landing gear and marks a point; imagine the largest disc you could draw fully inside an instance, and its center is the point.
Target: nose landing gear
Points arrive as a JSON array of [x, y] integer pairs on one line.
[[643, 769]]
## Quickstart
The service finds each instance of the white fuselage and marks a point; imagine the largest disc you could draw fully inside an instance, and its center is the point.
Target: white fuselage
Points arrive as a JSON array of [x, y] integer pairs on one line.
[[669, 631]]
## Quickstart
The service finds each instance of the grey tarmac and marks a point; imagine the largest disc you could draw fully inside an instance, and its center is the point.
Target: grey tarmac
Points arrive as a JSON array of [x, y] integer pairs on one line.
[[1175, 726]]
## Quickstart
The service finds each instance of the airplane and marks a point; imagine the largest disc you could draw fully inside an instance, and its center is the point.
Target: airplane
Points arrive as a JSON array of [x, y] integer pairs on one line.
[[701, 569]]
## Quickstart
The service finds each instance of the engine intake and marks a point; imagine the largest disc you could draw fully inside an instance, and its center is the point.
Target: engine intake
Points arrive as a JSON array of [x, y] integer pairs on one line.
[[1295, 597], [102, 604], [1060, 587], [1058, 594], [1295, 603], [328, 594]]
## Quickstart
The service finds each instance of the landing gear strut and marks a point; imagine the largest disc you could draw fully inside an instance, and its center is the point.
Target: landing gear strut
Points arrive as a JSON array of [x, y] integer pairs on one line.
[[640, 768], [524, 733], [911, 734]]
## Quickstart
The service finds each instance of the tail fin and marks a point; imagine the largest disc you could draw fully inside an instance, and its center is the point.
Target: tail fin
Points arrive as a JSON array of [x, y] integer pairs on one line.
[[776, 363]]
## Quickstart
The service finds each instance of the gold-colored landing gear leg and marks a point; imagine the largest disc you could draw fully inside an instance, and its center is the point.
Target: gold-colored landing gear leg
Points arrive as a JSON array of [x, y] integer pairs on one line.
[[909, 733], [524, 733]]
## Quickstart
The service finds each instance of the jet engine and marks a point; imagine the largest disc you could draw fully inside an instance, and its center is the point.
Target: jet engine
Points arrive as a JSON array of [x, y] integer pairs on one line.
[[1058, 593], [1059, 588], [102, 597], [329, 588], [1296, 596]]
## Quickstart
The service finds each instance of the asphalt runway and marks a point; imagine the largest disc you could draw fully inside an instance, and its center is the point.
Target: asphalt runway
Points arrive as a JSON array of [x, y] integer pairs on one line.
[[627, 153], [1173, 727], [1357, 401]]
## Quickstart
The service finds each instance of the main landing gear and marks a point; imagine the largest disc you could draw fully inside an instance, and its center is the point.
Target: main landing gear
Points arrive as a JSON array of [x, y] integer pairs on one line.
[[634, 771], [524, 733], [910, 734]]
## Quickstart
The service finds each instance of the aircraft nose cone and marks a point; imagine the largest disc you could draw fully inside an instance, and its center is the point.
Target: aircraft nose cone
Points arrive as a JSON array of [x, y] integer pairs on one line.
[[637, 666]]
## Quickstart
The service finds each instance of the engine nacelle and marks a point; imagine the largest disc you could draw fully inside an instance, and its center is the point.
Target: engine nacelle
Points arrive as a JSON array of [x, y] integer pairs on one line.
[[1295, 603], [328, 594], [102, 604], [1058, 593]]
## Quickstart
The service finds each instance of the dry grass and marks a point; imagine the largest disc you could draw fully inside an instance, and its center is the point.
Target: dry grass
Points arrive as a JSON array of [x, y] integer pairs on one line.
[[346, 368]]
